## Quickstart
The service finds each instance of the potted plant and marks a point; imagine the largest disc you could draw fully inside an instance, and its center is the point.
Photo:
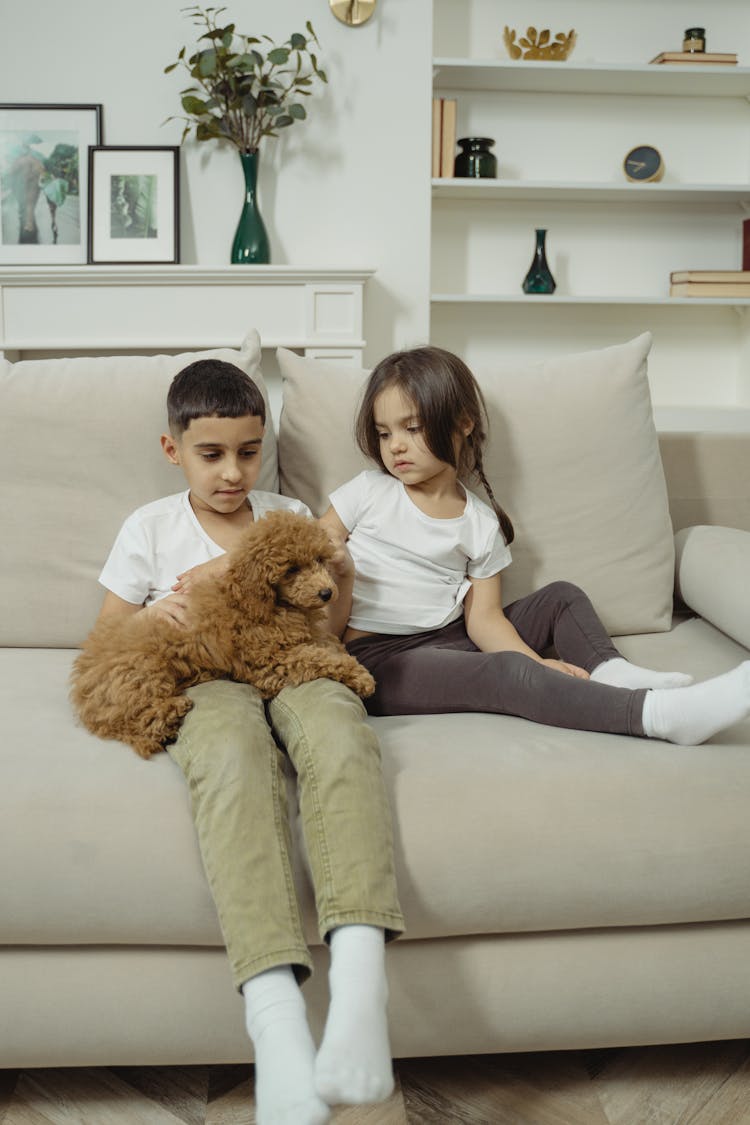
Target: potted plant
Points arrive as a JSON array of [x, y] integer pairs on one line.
[[245, 88]]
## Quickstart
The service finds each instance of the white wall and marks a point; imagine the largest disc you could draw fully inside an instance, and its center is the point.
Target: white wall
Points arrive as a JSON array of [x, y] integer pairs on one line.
[[344, 188]]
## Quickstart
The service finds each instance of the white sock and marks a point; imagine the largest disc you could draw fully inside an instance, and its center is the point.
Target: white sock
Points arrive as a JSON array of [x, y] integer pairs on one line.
[[619, 672], [354, 1061], [690, 715], [276, 1022]]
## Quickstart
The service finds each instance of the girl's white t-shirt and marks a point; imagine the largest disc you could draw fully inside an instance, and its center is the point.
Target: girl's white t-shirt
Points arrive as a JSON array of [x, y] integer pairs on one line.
[[162, 539], [412, 570]]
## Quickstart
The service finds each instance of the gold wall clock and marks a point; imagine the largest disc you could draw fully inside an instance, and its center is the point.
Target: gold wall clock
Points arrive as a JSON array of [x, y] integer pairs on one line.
[[644, 165], [353, 12]]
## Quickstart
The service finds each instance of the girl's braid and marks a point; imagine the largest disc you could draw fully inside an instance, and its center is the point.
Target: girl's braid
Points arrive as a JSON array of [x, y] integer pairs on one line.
[[506, 525]]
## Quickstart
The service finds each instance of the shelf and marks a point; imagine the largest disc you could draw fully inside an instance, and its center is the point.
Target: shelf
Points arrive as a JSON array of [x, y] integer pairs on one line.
[[58, 308], [678, 80], [568, 299], [607, 192]]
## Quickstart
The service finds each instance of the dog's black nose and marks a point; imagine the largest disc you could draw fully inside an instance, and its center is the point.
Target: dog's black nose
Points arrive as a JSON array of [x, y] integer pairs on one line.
[[325, 595]]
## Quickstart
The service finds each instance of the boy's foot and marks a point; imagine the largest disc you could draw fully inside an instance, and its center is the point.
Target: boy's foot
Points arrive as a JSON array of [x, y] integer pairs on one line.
[[284, 1051], [353, 1066]]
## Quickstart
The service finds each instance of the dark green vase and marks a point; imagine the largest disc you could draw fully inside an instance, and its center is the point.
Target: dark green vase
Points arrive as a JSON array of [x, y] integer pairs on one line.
[[250, 246], [539, 279]]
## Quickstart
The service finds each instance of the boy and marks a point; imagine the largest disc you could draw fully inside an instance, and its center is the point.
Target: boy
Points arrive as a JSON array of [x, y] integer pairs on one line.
[[234, 769]]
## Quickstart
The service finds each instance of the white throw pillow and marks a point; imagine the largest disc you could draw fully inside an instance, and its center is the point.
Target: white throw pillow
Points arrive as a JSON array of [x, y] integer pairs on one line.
[[573, 457], [79, 451]]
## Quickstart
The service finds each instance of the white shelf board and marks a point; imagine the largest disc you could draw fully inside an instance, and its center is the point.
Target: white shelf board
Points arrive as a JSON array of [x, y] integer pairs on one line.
[[607, 192], [535, 76], [569, 299]]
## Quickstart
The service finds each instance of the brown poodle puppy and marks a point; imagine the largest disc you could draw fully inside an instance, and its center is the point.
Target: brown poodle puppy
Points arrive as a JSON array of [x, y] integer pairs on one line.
[[261, 623]]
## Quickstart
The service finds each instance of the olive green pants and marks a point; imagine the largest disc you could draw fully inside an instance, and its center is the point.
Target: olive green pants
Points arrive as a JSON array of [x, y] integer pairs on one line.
[[235, 772]]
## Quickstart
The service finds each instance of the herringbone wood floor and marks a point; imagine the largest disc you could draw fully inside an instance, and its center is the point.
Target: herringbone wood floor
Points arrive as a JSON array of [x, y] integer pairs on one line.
[[697, 1084]]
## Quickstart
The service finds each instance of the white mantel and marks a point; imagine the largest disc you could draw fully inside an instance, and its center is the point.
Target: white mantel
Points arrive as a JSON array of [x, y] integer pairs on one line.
[[111, 308]]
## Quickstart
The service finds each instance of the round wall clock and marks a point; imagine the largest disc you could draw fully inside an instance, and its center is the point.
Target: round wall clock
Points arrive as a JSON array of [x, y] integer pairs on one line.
[[353, 12], [644, 165]]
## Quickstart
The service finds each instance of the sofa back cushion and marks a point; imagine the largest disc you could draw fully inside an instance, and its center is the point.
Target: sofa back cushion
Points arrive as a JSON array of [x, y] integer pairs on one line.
[[573, 457], [80, 451]]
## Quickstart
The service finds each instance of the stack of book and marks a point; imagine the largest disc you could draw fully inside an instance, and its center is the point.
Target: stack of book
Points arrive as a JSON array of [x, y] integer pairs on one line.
[[710, 283], [443, 136], [712, 57]]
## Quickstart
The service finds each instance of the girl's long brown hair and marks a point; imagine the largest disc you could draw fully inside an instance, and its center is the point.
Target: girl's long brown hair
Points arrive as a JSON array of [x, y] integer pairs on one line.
[[446, 396]]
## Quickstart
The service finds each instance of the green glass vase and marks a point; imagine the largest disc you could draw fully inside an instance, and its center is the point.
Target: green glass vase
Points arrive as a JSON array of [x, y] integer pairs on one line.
[[539, 279], [250, 246]]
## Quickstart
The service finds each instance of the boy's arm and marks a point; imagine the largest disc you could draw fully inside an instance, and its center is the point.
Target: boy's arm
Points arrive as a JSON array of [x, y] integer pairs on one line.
[[174, 607]]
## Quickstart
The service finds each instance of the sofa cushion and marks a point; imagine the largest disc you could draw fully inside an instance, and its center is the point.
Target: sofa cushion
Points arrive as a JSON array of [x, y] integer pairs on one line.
[[711, 570], [502, 825], [573, 457], [80, 451]]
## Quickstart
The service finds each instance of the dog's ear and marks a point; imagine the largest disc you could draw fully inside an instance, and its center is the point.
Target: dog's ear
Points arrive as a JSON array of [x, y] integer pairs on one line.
[[261, 559]]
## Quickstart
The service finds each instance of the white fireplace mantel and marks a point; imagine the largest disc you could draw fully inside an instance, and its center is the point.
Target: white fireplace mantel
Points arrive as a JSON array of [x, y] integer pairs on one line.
[[112, 308]]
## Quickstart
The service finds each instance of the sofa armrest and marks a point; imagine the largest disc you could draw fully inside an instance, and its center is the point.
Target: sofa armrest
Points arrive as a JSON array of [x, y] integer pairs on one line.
[[712, 566]]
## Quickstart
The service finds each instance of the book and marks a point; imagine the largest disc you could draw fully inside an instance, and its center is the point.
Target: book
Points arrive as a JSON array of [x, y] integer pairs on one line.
[[437, 135], [710, 289], [746, 244], [711, 275], [695, 57], [448, 146]]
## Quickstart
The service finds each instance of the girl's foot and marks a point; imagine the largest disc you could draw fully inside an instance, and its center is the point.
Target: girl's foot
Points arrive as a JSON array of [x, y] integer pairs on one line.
[[619, 672], [354, 1061], [692, 714], [284, 1051]]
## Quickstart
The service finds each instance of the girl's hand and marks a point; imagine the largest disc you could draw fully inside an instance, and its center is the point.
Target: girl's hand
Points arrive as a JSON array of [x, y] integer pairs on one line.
[[340, 566], [214, 568], [567, 669], [173, 608]]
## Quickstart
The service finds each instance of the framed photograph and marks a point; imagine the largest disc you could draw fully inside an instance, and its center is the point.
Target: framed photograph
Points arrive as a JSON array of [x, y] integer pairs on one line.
[[44, 181], [134, 205]]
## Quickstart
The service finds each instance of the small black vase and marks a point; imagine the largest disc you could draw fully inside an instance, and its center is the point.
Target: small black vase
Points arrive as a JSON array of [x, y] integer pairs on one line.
[[539, 279], [475, 160]]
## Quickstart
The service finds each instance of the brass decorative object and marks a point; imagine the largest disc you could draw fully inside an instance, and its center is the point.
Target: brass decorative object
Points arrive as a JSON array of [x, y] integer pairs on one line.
[[539, 44], [352, 12]]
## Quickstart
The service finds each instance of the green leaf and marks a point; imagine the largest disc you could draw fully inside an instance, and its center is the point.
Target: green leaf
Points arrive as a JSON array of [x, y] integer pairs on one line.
[[207, 63], [194, 106], [298, 42], [297, 112], [249, 105], [170, 68], [281, 122], [278, 56]]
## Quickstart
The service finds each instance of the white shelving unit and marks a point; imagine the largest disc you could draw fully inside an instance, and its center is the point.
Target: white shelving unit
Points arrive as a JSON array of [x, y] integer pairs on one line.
[[562, 130]]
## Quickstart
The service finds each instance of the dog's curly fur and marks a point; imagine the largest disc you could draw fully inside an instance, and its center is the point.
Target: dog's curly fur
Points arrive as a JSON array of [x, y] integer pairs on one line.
[[262, 623]]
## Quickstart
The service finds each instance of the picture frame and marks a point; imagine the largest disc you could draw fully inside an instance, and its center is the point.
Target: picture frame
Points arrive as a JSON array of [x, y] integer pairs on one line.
[[134, 205], [44, 181]]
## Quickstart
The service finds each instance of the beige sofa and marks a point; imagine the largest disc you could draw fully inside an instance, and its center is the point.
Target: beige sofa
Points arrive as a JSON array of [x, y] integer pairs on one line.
[[561, 889]]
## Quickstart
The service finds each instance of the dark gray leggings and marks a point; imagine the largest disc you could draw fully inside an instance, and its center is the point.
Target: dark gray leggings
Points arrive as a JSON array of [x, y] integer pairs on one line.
[[442, 671]]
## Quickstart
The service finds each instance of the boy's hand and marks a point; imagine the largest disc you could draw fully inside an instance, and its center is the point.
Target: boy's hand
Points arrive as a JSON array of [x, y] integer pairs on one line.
[[174, 607], [214, 568]]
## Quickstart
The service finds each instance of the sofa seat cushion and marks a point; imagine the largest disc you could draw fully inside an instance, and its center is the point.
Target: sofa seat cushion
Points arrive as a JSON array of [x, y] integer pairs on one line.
[[501, 825]]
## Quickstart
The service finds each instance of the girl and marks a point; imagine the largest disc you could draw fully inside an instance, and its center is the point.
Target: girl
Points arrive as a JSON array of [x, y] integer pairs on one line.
[[427, 618]]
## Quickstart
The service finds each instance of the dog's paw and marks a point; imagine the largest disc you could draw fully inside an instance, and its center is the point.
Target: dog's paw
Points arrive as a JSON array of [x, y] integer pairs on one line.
[[361, 682]]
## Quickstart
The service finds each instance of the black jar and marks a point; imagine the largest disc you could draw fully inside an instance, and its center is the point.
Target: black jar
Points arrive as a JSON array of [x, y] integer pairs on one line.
[[694, 42], [475, 159]]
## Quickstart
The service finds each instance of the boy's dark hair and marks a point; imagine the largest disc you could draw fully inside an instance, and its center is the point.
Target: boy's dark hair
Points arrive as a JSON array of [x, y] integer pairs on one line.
[[445, 395], [211, 388]]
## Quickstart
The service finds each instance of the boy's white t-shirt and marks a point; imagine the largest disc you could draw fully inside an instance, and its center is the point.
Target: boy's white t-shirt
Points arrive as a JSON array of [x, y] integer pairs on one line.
[[164, 538], [412, 571]]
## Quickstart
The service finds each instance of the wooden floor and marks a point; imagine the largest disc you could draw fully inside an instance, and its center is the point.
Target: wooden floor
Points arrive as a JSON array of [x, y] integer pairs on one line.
[[698, 1084]]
